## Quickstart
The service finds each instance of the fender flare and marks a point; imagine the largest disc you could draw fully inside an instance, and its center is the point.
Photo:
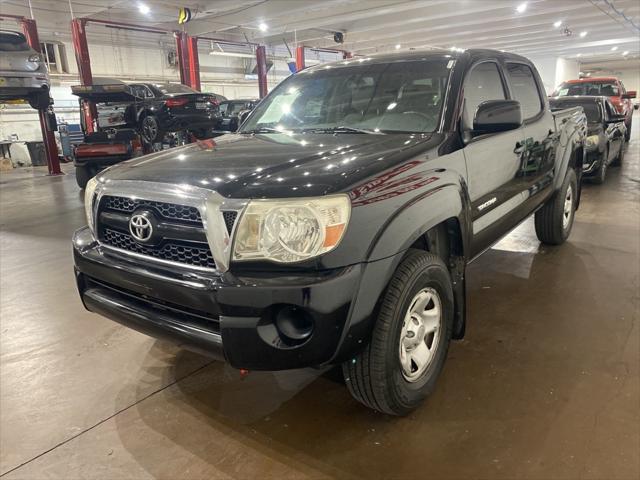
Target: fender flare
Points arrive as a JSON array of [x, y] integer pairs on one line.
[[453, 201], [573, 143], [415, 218]]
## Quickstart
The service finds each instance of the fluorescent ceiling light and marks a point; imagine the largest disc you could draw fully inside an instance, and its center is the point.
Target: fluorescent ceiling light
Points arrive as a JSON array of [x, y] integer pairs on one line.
[[522, 7], [625, 53], [557, 24], [263, 27], [398, 46], [579, 55], [144, 9], [613, 49], [583, 34], [231, 54]]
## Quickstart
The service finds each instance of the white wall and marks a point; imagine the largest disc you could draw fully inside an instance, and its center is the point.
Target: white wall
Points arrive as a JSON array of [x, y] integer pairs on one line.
[[555, 70]]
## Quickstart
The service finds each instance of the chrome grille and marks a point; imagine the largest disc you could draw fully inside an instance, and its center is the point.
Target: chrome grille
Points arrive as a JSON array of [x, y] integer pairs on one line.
[[170, 211], [179, 232], [230, 217], [193, 255]]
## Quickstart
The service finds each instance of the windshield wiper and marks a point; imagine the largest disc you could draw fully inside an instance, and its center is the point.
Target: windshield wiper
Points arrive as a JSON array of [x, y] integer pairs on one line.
[[261, 130], [342, 129]]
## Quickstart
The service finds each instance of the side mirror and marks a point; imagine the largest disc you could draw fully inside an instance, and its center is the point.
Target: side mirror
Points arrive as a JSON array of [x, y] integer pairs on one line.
[[630, 94], [636, 106], [497, 116]]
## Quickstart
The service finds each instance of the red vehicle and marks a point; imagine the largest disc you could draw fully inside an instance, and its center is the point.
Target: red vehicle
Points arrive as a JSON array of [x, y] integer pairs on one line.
[[610, 87]]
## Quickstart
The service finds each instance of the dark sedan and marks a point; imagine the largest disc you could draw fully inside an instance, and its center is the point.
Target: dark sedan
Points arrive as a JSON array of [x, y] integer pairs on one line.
[[606, 133], [170, 107], [230, 111]]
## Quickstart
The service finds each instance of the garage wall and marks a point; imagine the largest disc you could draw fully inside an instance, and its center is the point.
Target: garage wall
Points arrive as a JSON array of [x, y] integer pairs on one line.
[[127, 60], [554, 71]]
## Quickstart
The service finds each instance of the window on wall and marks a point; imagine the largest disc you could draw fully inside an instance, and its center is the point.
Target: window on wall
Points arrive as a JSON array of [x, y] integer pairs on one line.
[[525, 89], [55, 57]]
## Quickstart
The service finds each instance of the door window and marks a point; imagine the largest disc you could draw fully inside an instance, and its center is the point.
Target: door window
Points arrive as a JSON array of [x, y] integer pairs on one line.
[[483, 83], [525, 89]]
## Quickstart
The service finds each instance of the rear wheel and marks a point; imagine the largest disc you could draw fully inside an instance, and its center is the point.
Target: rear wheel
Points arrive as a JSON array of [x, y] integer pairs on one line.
[[554, 220], [150, 129], [410, 339], [83, 175]]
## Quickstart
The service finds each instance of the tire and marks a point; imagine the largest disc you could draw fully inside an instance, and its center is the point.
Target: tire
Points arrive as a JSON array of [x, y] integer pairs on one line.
[[40, 100], [150, 129], [627, 134], [553, 226], [83, 175], [618, 160], [376, 376], [601, 173]]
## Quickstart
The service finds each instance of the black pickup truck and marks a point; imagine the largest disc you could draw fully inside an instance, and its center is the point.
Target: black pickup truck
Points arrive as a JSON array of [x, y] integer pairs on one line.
[[335, 226]]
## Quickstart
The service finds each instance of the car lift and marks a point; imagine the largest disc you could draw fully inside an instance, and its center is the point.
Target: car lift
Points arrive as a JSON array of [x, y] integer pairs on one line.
[[186, 49], [51, 149]]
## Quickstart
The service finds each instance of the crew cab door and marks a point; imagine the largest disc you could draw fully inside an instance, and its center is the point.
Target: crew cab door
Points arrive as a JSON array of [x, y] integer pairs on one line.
[[493, 160], [538, 155]]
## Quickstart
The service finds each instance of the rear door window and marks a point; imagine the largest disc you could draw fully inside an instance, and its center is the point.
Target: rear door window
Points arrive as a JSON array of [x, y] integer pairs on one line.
[[483, 83], [525, 89], [13, 42]]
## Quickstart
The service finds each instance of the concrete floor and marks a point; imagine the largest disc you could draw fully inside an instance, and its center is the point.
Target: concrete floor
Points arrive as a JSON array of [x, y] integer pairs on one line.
[[545, 385]]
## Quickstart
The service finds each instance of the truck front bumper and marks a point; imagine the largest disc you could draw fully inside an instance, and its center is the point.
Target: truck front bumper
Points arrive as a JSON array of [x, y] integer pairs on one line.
[[223, 315]]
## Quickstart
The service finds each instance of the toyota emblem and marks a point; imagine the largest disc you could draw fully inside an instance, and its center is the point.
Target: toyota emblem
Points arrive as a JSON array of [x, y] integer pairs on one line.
[[141, 227]]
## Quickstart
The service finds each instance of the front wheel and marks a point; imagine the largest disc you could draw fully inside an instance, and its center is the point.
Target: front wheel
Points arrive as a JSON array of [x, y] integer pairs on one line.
[[554, 220], [618, 161], [627, 134], [83, 175], [410, 339], [601, 174]]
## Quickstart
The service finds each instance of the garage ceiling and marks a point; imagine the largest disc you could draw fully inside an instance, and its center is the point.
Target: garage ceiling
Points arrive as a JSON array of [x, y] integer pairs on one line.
[[612, 26]]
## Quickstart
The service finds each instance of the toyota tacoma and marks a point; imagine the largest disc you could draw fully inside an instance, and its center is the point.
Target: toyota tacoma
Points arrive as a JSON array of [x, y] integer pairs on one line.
[[334, 227]]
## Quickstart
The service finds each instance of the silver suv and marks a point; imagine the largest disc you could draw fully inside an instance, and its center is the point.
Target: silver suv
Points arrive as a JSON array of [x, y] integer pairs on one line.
[[23, 73]]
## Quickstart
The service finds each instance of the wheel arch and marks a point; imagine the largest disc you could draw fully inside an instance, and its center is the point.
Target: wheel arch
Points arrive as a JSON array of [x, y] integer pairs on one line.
[[450, 221]]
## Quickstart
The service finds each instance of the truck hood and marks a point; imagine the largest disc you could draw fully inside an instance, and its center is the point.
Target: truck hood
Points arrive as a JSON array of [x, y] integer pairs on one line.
[[275, 165]]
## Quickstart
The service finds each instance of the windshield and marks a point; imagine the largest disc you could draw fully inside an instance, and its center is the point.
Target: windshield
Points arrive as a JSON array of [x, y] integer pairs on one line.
[[13, 42], [232, 108], [363, 98], [171, 88], [608, 89], [591, 110]]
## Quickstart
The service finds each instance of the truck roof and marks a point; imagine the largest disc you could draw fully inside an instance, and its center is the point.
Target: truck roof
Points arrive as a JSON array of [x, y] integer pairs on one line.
[[593, 79], [423, 54], [579, 99]]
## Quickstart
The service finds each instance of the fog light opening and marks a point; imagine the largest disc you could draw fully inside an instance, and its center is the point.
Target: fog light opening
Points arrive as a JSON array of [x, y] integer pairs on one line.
[[294, 324]]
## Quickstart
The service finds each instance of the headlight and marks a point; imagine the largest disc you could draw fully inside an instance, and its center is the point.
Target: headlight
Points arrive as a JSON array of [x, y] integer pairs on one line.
[[89, 197], [291, 230], [35, 58], [592, 141]]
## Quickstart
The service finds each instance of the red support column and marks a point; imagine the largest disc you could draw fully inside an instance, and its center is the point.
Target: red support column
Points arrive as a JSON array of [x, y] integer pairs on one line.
[[50, 148], [182, 51], [261, 59], [300, 58], [194, 63], [81, 47]]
